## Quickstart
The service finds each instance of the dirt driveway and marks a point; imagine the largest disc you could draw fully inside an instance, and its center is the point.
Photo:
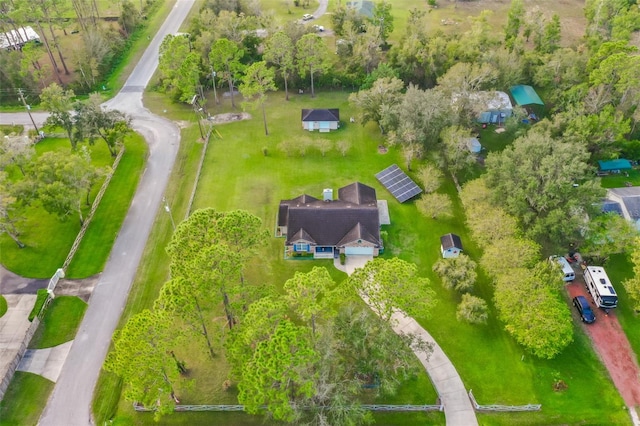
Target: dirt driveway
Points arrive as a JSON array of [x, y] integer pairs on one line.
[[613, 347]]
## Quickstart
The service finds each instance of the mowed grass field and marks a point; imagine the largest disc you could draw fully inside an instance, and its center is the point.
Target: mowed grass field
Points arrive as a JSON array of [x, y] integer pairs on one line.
[[237, 174]]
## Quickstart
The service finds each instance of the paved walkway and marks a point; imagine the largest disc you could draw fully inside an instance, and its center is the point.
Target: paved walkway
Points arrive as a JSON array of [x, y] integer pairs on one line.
[[453, 395], [45, 362], [14, 325]]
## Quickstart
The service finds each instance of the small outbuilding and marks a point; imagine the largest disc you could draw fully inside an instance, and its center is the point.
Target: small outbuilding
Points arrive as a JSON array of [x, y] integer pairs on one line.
[[450, 246], [525, 95], [614, 166], [323, 120]]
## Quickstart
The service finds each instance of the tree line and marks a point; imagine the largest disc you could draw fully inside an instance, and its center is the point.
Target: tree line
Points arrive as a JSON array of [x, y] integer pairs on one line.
[[91, 60]]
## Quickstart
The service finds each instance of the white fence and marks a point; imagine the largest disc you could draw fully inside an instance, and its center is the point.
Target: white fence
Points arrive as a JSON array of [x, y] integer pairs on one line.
[[369, 407], [94, 207], [495, 407]]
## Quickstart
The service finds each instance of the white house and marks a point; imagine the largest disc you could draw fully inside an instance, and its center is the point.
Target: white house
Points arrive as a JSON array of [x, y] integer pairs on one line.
[[450, 246], [323, 120]]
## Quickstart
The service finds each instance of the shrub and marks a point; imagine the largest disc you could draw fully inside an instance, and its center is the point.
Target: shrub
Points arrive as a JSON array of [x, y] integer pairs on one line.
[[458, 273], [343, 258], [472, 309]]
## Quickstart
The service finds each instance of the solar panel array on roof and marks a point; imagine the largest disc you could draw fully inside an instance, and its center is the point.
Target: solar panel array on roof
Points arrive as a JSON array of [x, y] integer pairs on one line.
[[398, 183]]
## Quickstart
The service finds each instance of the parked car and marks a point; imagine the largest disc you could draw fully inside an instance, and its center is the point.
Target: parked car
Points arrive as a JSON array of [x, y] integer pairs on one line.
[[584, 310], [307, 16]]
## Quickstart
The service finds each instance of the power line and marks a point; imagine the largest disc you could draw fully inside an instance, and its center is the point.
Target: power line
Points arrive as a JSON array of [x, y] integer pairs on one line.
[[28, 107]]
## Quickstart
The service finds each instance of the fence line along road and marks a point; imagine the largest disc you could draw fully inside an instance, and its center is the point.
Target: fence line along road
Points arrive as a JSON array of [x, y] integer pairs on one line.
[[369, 407], [496, 407]]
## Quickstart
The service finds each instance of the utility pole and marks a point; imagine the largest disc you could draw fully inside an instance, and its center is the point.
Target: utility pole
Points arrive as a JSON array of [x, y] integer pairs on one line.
[[28, 108], [215, 94], [198, 110]]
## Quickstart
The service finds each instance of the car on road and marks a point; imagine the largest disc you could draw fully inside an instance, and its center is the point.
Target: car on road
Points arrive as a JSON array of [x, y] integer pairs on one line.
[[307, 16], [584, 310]]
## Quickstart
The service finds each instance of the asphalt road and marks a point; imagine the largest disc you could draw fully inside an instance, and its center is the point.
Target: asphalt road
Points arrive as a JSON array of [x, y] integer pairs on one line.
[[70, 402]]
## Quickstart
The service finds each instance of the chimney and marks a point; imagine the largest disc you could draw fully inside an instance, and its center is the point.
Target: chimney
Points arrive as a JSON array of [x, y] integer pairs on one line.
[[327, 194]]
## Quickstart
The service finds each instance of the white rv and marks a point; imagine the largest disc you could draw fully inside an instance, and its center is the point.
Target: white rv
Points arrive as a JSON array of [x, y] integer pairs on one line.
[[600, 288]]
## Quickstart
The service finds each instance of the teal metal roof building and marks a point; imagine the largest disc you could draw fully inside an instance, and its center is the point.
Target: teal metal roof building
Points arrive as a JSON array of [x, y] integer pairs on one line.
[[525, 95], [612, 165]]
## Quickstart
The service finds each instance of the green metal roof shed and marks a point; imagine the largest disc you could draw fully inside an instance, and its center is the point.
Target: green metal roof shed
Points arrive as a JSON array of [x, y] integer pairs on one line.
[[525, 95], [610, 165]]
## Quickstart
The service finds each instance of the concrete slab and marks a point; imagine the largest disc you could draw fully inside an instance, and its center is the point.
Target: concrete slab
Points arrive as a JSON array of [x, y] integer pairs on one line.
[[14, 325], [46, 362], [15, 322], [383, 213]]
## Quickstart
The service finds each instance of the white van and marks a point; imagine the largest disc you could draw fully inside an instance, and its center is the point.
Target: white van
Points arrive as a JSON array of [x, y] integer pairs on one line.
[[568, 274]]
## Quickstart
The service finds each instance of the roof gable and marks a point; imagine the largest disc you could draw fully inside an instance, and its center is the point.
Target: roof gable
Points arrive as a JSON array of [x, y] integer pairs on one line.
[[358, 233], [357, 193], [332, 114], [302, 235], [451, 241]]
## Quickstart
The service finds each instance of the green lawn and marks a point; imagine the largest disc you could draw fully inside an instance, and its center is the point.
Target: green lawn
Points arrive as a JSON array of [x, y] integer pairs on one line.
[[620, 180], [24, 399], [48, 239], [60, 323]]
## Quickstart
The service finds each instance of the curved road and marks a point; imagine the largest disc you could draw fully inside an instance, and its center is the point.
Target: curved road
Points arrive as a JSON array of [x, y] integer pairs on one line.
[[70, 402]]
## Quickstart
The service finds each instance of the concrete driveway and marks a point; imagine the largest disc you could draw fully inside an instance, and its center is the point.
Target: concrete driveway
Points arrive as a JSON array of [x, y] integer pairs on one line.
[[458, 410]]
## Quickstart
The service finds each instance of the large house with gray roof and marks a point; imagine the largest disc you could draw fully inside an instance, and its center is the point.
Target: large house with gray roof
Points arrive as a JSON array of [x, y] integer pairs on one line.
[[325, 228], [626, 202]]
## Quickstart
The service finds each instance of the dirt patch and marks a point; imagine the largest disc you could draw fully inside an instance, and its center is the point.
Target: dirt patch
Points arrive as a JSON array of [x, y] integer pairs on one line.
[[382, 149], [613, 347], [230, 117]]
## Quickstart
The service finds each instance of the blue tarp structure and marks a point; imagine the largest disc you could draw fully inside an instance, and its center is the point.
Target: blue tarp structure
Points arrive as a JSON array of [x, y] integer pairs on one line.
[[474, 145], [525, 95], [611, 165]]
